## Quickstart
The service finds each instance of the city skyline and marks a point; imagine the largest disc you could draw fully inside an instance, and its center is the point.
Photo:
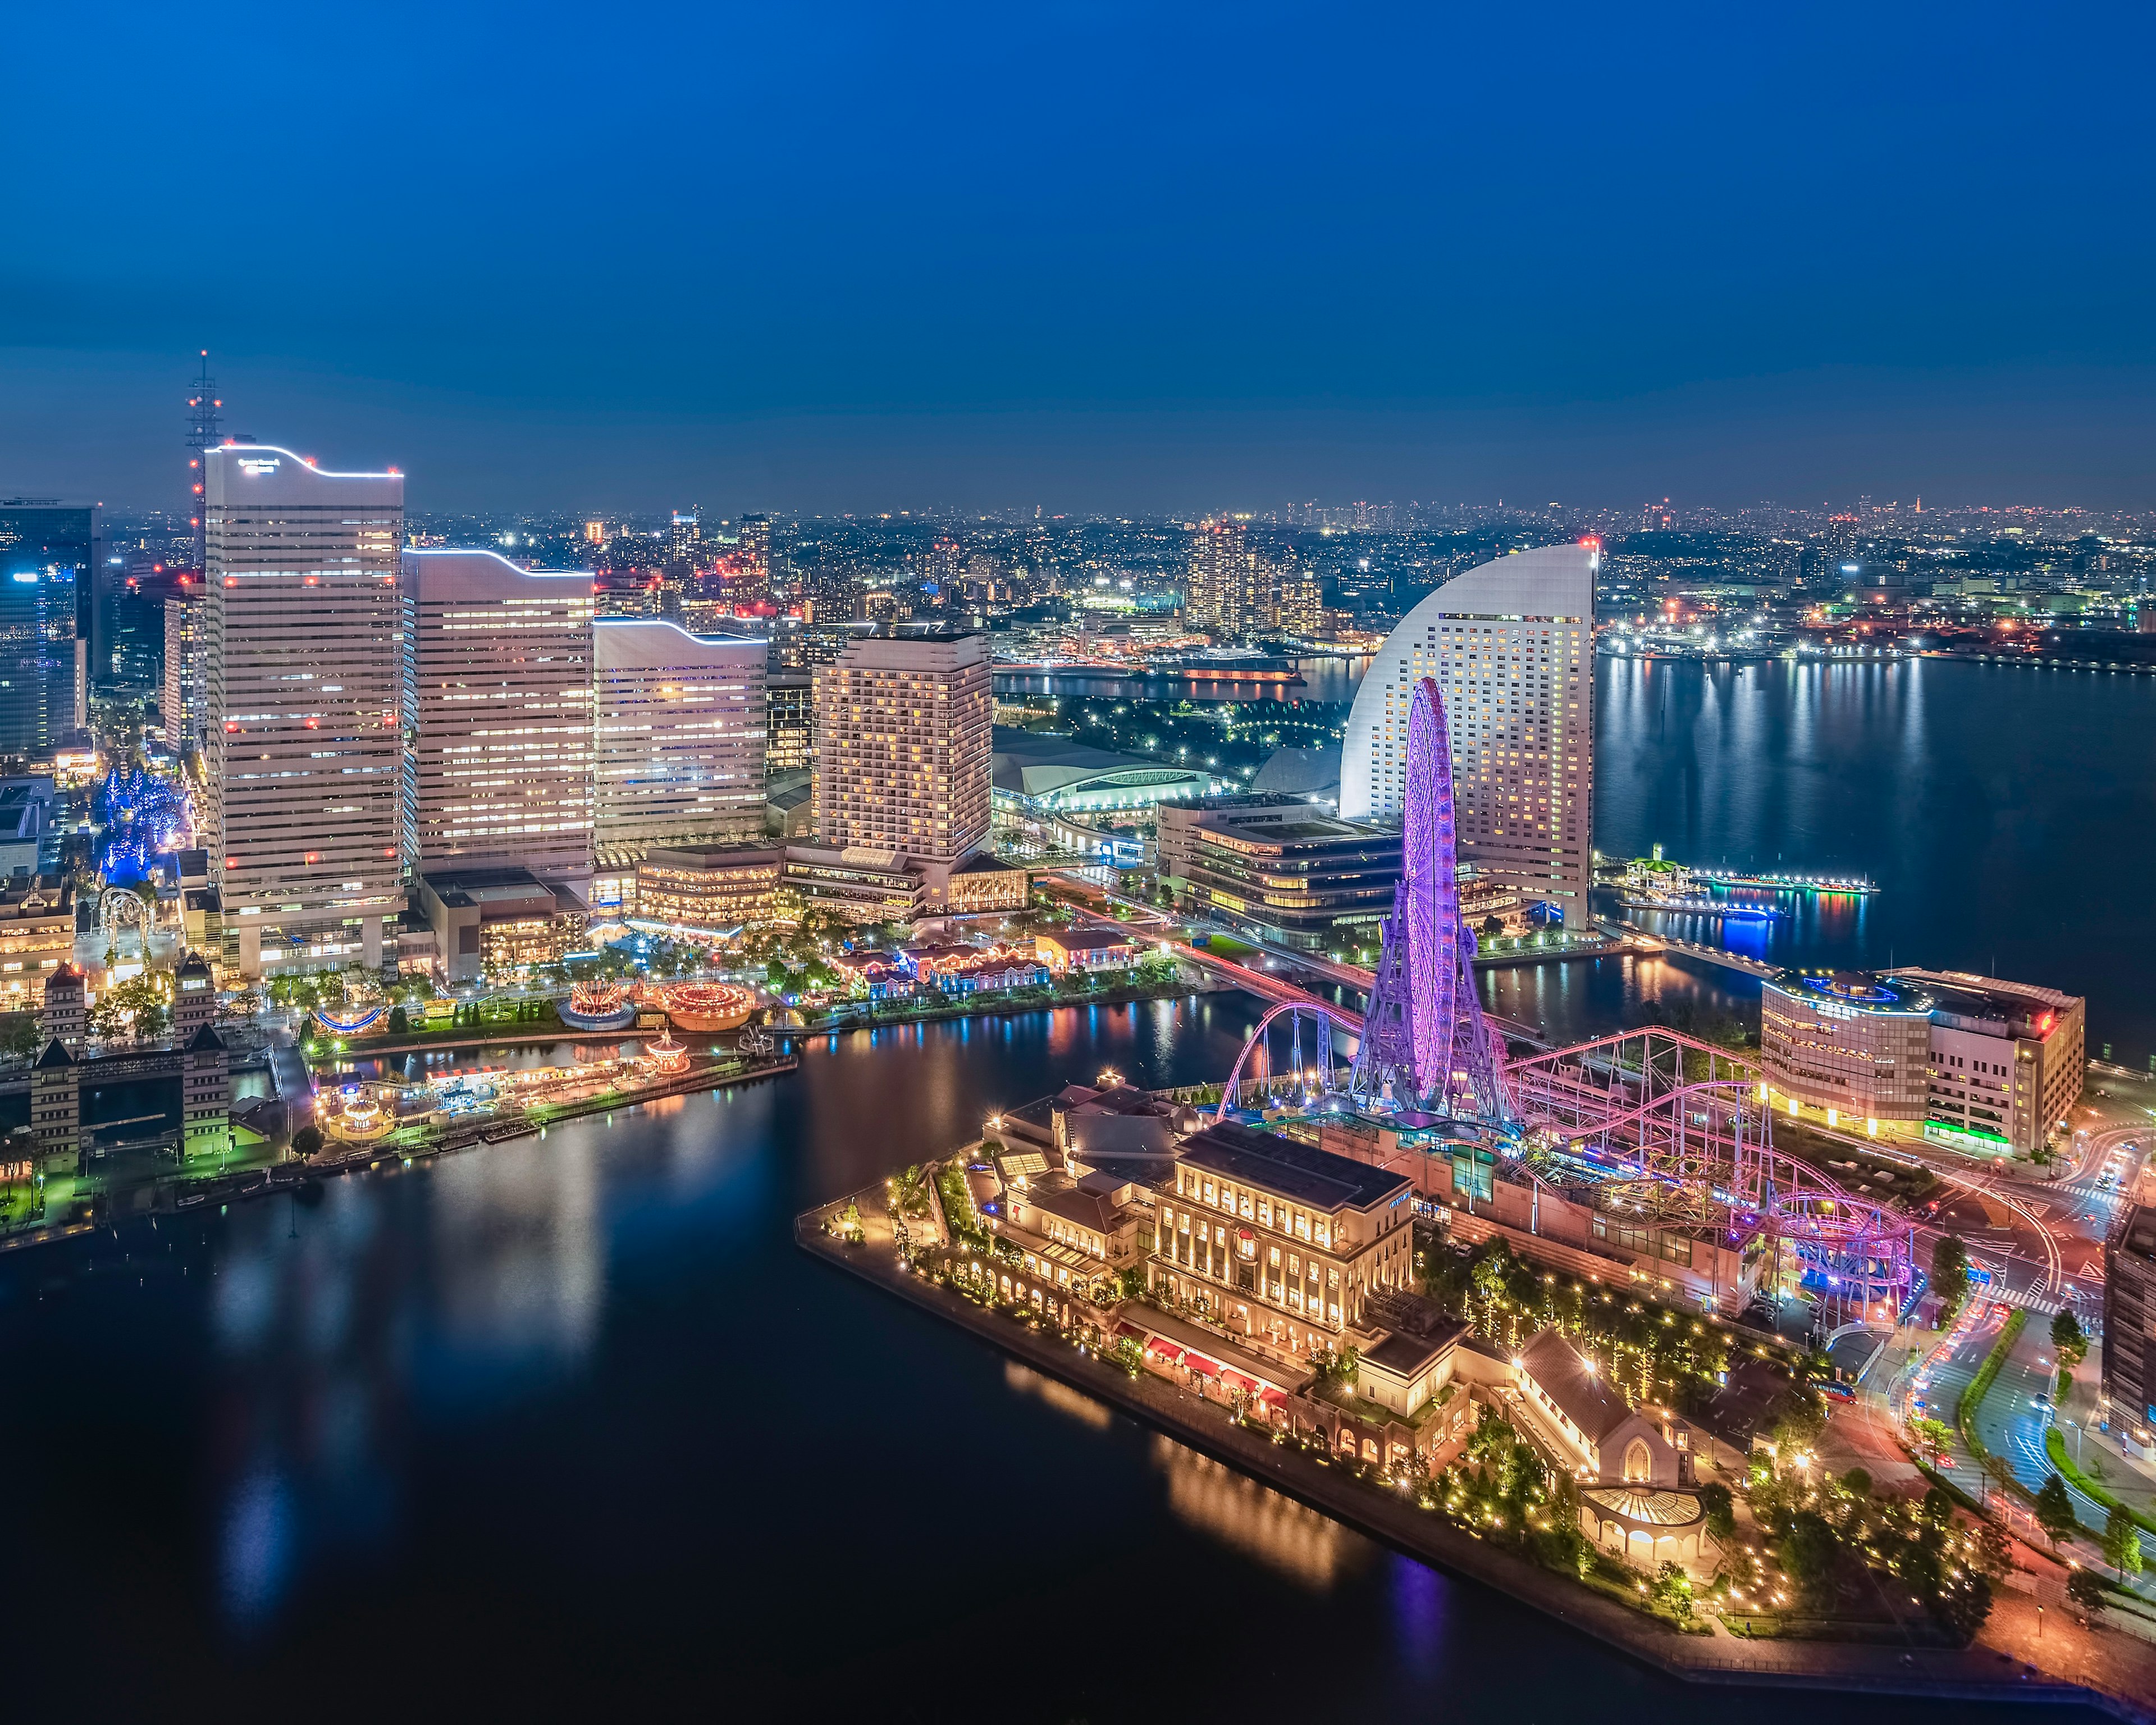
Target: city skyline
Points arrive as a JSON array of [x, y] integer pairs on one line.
[[993, 261]]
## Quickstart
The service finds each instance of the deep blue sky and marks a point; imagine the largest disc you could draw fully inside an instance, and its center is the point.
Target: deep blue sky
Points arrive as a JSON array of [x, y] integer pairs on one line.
[[1093, 256]]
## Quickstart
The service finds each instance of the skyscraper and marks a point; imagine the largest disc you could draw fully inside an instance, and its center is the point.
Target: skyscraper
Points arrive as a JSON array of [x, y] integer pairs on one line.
[[303, 634], [903, 747], [48, 563], [184, 666], [679, 750], [500, 733], [1230, 591], [1511, 645]]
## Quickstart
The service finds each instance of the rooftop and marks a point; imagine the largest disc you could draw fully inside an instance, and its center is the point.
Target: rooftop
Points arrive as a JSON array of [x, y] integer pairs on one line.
[[1087, 940], [1301, 1172], [1582, 1395]]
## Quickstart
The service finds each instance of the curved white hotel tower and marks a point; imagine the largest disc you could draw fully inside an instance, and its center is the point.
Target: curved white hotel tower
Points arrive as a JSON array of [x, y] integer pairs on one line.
[[500, 758], [1511, 645], [303, 650]]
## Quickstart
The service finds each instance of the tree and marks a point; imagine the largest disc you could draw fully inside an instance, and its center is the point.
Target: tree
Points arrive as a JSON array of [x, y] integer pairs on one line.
[[2069, 1340], [1994, 1551], [1857, 1483], [2085, 1588], [1721, 1511], [1950, 1271], [24, 1034], [400, 1021], [2122, 1543], [909, 1192], [1809, 1550], [1672, 1588], [307, 1140], [2054, 1510]]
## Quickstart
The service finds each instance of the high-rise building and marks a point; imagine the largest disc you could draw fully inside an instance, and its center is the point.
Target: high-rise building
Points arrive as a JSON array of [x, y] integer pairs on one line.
[[750, 586], [49, 558], [1231, 584], [679, 754], [499, 737], [183, 668], [2129, 1329], [903, 748], [790, 704], [686, 542], [303, 632], [1301, 600], [1511, 647]]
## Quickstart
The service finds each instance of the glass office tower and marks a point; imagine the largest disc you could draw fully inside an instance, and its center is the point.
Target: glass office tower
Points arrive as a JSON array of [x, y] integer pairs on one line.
[[48, 555]]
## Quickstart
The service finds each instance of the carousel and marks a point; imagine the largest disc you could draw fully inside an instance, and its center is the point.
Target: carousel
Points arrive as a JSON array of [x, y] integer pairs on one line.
[[664, 1056], [703, 1008], [599, 1006]]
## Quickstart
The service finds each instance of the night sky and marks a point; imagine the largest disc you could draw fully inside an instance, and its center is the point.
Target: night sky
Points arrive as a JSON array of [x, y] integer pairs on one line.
[[1095, 257]]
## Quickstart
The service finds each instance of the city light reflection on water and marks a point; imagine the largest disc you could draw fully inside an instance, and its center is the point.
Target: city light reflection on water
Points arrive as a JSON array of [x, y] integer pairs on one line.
[[562, 1415]]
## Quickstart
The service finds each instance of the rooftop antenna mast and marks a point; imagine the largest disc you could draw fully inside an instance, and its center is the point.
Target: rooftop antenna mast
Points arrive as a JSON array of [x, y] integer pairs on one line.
[[202, 421]]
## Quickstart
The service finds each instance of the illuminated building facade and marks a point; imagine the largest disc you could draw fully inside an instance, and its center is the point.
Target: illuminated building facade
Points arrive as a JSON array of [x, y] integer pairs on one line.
[[2128, 1358], [182, 702], [2006, 1062], [903, 749], [1279, 1240], [711, 889], [790, 730], [1511, 646], [48, 555], [1848, 1041], [681, 731], [1230, 590], [500, 755], [303, 638]]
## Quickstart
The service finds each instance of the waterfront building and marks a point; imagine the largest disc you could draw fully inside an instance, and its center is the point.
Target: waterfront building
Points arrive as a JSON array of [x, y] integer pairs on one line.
[[499, 749], [1278, 869], [1085, 950], [138, 1088], [903, 750], [1077, 1236], [2129, 1330], [498, 924], [856, 882], [49, 560], [64, 1014], [790, 730], [1985, 1065], [180, 702], [679, 756], [1848, 1042], [194, 998], [303, 638], [711, 889], [1511, 645], [1278, 1241], [984, 884], [2006, 1060]]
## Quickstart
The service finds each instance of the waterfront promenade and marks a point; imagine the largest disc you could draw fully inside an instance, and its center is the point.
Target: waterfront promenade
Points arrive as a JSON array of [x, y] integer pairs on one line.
[[1981, 1673]]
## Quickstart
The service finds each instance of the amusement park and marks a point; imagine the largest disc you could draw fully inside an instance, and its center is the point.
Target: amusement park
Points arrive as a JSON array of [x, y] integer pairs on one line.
[[1649, 1152]]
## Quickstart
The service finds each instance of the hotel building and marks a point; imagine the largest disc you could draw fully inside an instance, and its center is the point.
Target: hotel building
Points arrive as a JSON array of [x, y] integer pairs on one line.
[[1986, 1065], [1278, 867], [1847, 1042], [680, 753], [500, 755], [1511, 646], [303, 639], [904, 749], [2006, 1060], [1280, 1241]]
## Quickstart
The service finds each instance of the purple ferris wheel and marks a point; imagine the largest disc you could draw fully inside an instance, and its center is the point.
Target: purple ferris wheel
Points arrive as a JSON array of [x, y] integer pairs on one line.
[[1425, 1046]]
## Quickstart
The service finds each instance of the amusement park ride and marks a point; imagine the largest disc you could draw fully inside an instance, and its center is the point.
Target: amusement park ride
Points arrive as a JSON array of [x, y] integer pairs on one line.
[[1661, 1133]]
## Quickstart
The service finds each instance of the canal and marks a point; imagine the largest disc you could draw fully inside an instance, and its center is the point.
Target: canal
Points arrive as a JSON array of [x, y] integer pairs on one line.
[[567, 1423]]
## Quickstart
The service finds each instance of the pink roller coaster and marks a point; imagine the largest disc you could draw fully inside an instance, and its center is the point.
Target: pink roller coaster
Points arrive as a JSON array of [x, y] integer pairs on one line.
[[1669, 1137]]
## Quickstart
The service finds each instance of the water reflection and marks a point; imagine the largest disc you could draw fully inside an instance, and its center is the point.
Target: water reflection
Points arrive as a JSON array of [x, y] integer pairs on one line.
[[1058, 1394], [1313, 1551]]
